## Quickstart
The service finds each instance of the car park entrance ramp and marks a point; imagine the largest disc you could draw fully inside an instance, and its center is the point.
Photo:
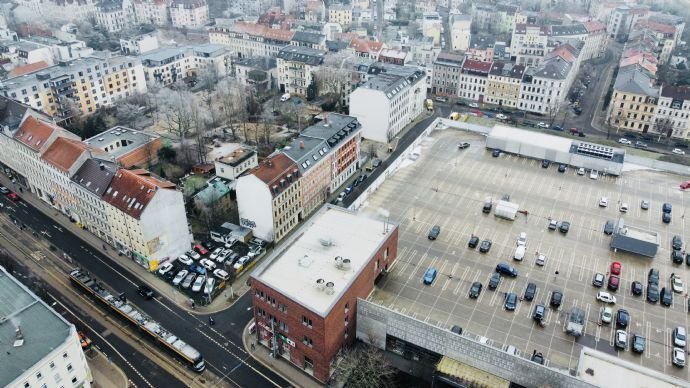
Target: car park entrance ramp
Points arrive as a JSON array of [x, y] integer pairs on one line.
[[506, 209], [635, 240]]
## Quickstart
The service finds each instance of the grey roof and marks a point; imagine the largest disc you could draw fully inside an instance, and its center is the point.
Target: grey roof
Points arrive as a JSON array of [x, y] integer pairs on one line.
[[634, 79], [394, 78], [210, 50], [259, 63], [110, 6], [302, 54], [336, 45], [568, 30], [448, 59], [11, 113], [553, 68], [317, 141], [507, 69], [308, 37], [42, 328], [23, 45], [95, 175], [510, 9], [482, 42], [122, 139], [153, 57]]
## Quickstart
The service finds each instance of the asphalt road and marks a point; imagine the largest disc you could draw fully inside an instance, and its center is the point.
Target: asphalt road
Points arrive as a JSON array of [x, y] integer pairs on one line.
[[220, 345]]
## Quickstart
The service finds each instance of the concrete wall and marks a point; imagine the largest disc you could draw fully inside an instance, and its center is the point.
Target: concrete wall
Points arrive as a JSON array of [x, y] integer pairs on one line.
[[375, 322], [658, 165]]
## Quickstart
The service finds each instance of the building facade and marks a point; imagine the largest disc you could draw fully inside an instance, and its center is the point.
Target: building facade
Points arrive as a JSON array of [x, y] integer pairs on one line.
[[260, 73], [251, 40], [503, 84], [634, 101], [310, 314], [341, 14], [188, 13], [474, 77], [528, 45], [446, 74], [296, 67], [673, 112], [236, 163]]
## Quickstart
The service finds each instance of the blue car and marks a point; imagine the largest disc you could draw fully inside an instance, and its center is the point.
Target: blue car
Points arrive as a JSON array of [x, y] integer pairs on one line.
[[430, 275]]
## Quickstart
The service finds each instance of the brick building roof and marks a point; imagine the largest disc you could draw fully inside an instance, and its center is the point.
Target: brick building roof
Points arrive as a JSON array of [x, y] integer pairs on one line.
[[64, 152], [263, 31], [274, 169], [34, 133], [131, 191]]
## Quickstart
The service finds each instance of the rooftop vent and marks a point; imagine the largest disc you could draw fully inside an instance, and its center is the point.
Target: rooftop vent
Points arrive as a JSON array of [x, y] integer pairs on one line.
[[338, 262], [275, 189], [320, 284], [18, 337], [305, 261], [289, 178], [347, 264], [329, 288]]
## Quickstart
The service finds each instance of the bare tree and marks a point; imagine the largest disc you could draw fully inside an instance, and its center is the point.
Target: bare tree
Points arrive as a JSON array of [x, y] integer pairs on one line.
[[364, 366], [127, 113], [663, 127], [176, 110]]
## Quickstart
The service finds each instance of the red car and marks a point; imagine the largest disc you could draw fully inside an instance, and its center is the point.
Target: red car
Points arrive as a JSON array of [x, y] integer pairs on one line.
[[200, 249], [614, 282], [685, 185], [13, 196], [615, 268]]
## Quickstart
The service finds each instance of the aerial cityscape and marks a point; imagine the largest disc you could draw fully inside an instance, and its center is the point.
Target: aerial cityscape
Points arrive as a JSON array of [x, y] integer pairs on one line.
[[344, 193]]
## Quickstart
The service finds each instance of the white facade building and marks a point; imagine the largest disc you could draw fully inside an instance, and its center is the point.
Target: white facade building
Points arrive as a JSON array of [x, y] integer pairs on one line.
[[296, 67], [188, 13], [234, 164], [529, 44], [139, 45], [389, 101], [460, 31], [673, 111], [168, 65], [40, 347], [111, 16], [251, 40]]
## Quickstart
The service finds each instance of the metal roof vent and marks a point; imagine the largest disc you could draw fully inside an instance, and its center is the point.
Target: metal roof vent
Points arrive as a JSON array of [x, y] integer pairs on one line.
[[347, 263], [320, 284], [329, 288], [338, 262], [18, 337]]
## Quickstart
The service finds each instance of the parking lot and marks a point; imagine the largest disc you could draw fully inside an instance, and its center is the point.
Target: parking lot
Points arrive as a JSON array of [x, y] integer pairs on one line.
[[447, 187]]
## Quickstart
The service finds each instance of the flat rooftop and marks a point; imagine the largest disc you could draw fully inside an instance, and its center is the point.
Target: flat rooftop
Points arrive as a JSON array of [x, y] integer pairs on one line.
[[604, 370], [42, 328], [310, 254], [118, 141], [640, 234], [545, 140]]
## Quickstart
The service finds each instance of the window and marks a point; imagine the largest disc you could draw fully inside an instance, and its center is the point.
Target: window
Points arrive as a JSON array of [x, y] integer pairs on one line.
[[307, 341], [52, 365], [306, 322], [69, 367]]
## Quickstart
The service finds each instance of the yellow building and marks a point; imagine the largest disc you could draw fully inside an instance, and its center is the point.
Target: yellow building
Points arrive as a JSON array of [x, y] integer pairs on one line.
[[503, 85], [634, 101], [341, 14]]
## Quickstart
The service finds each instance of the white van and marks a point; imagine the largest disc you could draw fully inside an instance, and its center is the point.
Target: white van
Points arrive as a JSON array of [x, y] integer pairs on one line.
[[519, 253], [623, 208], [285, 97]]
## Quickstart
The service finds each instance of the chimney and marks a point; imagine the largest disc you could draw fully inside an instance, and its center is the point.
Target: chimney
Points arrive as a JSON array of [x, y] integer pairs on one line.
[[18, 334], [301, 144], [102, 166]]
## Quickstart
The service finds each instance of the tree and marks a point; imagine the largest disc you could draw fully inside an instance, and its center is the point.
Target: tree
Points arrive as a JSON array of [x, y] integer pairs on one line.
[[663, 127], [127, 113], [176, 110], [167, 153], [312, 89], [364, 366]]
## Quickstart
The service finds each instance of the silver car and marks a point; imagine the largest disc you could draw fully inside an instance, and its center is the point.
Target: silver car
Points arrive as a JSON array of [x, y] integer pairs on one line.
[[180, 277], [199, 283], [188, 280]]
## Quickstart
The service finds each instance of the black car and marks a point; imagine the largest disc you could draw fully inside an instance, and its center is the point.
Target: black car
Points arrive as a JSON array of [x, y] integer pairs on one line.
[[564, 227], [652, 293], [145, 291], [494, 280], [666, 218], [666, 296], [687, 258], [362, 178], [486, 209], [496, 153], [677, 243], [511, 301], [506, 269], [556, 299], [622, 318], [557, 127], [434, 232], [485, 246], [608, 227], [538, 358], [456, 329], [539, 313], [677, 257], [545, 163], [636, 288], [475, 290], [666, 207], [653, 276], [530, 291], [170, 275], [598, 279], [355, 183], [474, 241], [562, 167], [638, 343]]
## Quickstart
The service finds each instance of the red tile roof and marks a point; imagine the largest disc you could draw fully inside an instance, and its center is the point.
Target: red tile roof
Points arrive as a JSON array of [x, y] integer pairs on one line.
[[365, 46], [478, 66], [564, 53], [30, 68], [131, 191], [275, 169], [657, 27], [594, 26], [263, 31], [34, 133], [63, 153]]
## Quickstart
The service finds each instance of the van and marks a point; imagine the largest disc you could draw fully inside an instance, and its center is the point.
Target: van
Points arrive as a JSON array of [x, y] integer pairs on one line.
[[623, 208], [519, 253], [285, 97]]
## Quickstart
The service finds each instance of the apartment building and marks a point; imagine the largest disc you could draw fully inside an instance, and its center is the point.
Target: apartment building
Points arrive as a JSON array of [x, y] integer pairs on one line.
[[528, 45], [474, 77], [420, 51], [308, 316], [327, 155], [503, 85], [597, 40], [432, 24], [232, 165], [493, 18], [43, 347], [622, 20], [269, 197], [312, 40], [188, 13], [673, 112], [446, 74], [111, 16], [260, 72], [663, 36], [86, 84], [388, 101], [151, 12], [481, 48], [365, 48], [634, 101], [62, 11], [139, 44], [89, 183], [460, 31], [22, 52], [296, 67], [251, 40], [146, 217], [128, 147], [393, 56], [168, 65], [341, 14]]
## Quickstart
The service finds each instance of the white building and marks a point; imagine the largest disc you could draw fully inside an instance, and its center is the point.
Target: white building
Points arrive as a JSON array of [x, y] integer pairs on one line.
[[432, 25], [25, 52], [188, 13], [139, 44], [622, 20], [296, 67], [168, 65], [151, 12], [89, 184], [473, 80], [673, 111], [40, 348], [258, 72], [234, 164], [251, 40], [146, 216], [528, 45], [460, 31], [389, 101], [111, 16]]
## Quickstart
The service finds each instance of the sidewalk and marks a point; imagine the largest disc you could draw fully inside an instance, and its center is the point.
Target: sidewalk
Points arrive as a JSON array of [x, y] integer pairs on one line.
[[280, 366], [105, 374], [222, 302]]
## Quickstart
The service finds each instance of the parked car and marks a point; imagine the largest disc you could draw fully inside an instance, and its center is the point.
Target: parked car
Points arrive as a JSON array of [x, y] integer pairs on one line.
[[666, 296], [553, 224], [666, 218], [653, 276], [376, 163], [616, 268], [622, 318], [603, 202], [522, 239], [679, 336], [652, 293], [463, 145], [221, 274], [511, 301], [562, 167], [545, 163], [556, 299], [677, 257], [475, 290], [456, 329], [606, 297], [474, 241], [430, 275], [199, 283], [638, 343], [636, 288], [678, 151], [239, 265], [186, 260], [4, 190], [216, 252], [434, 232], [496, 153], [564, 227], [543, 125], [621, 340], [608, 227], [614, 283], [208, 264], [180, 277], [676, 283], [494, 280], [165, 268], [606, 315], [678, 357], [210, 284], [539, 313], [581, 171], [537, 357], [541, 260], [644, 204], [485, 246], [594, 174], [506, 269], [625, 141], [188, 280], [598, 279], [193, 254], [530, 291], [200, 249], [666, 207]]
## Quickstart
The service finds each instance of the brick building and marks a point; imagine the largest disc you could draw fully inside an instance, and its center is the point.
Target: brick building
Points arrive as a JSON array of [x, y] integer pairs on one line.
[[305, 294], [128, 146]]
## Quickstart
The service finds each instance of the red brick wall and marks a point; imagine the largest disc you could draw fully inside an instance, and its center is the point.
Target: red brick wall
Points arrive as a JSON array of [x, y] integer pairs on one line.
[[327, 335], [141, 156]]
